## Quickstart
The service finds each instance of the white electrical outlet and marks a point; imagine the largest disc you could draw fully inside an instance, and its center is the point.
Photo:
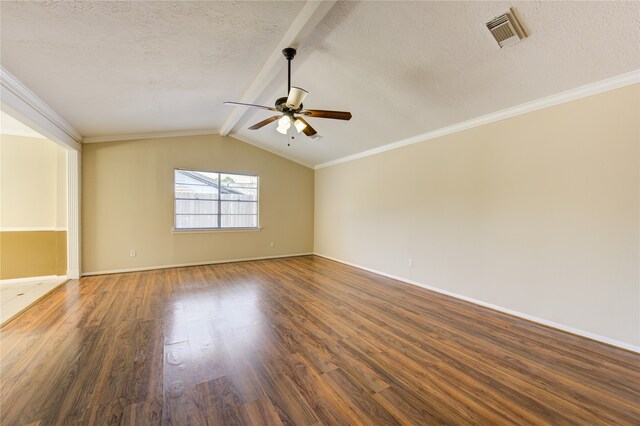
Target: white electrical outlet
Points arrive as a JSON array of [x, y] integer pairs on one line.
[[132, 253], [272, 244], [410, 263]]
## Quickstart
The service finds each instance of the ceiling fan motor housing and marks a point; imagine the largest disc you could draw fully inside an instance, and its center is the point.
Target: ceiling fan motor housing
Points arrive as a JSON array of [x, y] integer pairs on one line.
[[281, 104]]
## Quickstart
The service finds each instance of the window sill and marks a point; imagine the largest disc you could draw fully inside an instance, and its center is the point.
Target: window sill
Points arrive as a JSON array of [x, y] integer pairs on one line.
[[214, 231]]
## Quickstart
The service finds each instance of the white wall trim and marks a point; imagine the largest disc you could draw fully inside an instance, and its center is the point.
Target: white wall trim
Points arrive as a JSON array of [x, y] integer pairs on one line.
[[73, 214], [21, 103], [25, 106], [307, 19], [31, 228], [31, 279], [154, 135], [273, 151], [180, 265], [559, 98], [528, 317]]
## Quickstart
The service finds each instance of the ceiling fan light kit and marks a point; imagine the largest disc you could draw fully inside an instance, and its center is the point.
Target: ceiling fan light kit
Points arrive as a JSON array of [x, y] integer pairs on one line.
[[285, 122], [290, 106], [300, 125], [296, 96]]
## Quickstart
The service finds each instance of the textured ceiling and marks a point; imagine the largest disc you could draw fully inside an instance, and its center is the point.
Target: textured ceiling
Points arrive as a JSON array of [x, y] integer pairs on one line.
[[401, 68], [144, 66]]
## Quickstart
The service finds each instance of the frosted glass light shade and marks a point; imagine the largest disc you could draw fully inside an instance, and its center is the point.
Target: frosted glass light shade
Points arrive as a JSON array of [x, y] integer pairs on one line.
[[285, 122], [300, 125]]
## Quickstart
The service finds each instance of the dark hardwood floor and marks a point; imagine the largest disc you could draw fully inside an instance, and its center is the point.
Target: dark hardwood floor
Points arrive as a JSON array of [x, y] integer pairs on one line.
[[297, 341]]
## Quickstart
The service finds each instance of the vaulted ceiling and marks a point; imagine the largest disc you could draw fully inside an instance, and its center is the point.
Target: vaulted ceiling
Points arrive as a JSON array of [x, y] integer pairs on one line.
[[401, 68]]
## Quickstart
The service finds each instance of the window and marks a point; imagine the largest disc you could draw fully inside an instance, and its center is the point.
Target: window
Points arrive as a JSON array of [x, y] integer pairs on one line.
[[213, 200]]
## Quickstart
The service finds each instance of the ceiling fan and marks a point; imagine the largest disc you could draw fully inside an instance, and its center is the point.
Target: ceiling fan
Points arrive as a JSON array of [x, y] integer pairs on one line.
[[290, 109]]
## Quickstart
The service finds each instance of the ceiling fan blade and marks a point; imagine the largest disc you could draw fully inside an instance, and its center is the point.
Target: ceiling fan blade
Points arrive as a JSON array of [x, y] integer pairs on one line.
[[319, 113], [250, 105], [296, 96], [308, 130], [264, 122]]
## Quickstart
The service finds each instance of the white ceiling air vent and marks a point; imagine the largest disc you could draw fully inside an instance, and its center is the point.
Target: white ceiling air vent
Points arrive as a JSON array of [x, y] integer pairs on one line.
[[506, 29]]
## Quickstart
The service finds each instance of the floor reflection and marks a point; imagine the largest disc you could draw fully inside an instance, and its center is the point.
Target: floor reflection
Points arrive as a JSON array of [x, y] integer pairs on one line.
[[206, 331]]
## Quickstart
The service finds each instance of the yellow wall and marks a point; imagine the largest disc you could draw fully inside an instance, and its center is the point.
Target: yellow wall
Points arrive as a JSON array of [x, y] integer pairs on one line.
[[32, 254], [33, 188], [538, 213], [33, 206], [127, 203]]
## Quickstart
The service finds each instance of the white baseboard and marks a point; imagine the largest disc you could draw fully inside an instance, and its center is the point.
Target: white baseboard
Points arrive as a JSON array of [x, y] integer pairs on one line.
[[180, 265], [528, 317], [31, 279], [32, 229], [73, 274]]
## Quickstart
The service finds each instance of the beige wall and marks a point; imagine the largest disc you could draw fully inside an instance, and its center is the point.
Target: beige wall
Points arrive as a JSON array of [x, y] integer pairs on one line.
[[33, 190], [538, 213], [127, 203], [33, 207]]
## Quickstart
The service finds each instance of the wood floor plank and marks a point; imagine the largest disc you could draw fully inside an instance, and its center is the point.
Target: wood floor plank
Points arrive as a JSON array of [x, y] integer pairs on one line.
[[392, 319], [301, 341], [143, 413], [260, 412], [358, 399], [221, 401], [409, 408]]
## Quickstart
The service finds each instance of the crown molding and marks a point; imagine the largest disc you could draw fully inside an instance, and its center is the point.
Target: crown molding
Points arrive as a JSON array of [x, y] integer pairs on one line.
[[612, 83], [273, 151], [157, 135], [24, 105], [154, 135]]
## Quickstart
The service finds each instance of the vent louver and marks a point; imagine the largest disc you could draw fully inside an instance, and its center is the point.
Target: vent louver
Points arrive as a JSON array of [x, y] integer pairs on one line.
[[506, 29]]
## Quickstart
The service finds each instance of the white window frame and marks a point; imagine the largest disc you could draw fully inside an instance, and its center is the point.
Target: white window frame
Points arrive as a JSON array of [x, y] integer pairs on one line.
[[219, 200]]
